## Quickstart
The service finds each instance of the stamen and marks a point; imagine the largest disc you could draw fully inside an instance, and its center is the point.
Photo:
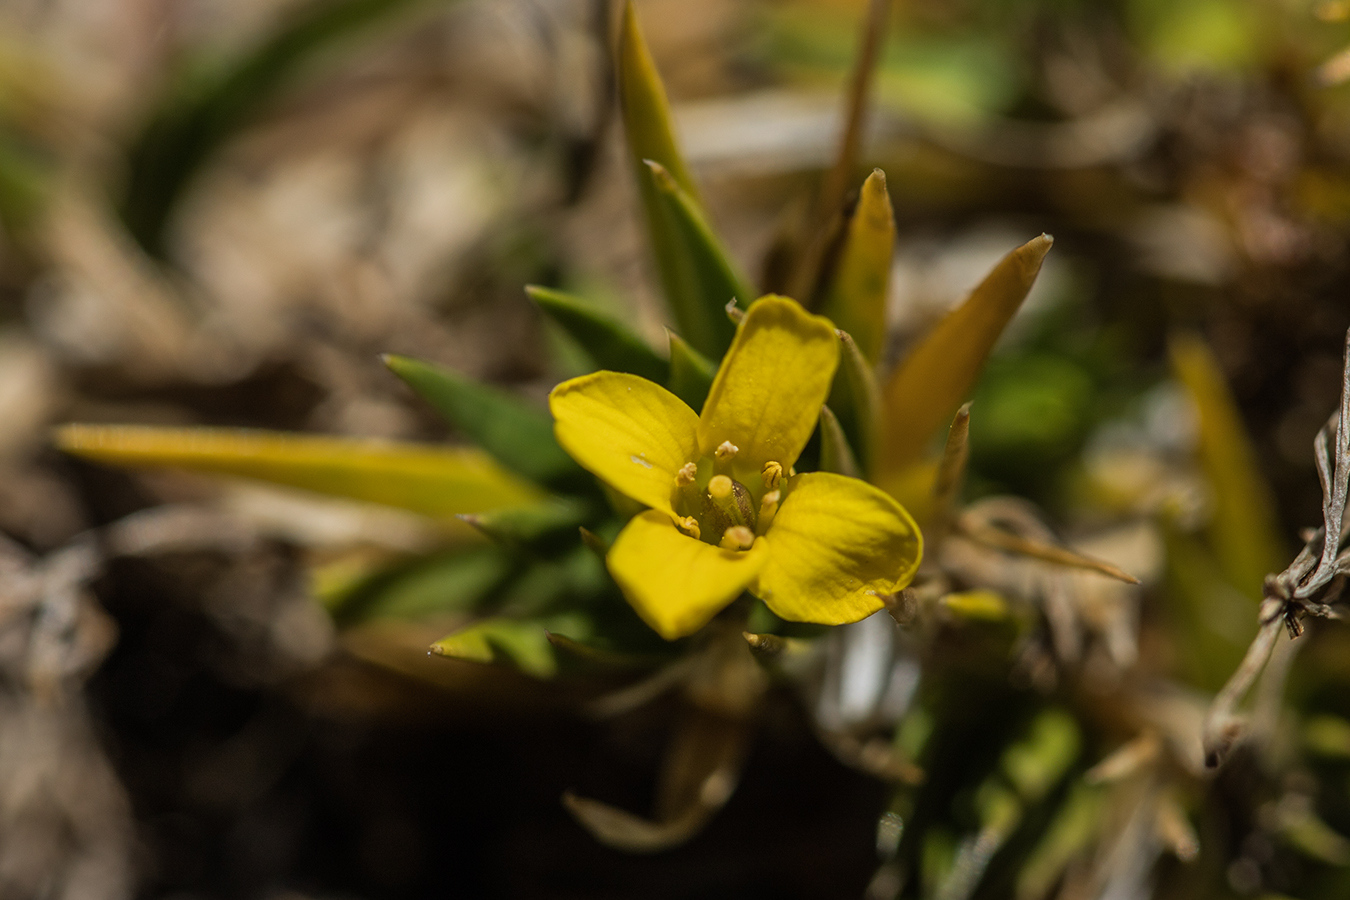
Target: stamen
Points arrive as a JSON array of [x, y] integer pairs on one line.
[[687, 475], [768, 507], [689, 525], [737, 537], [722, 457], [719, 488], [772, 473]]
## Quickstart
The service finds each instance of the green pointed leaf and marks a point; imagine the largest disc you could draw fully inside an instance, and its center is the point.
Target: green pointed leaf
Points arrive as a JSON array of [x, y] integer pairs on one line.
[[1242, 530], [925, 390], [691, 373], [646, 111], [699, 277], [855, 299], [586, 655], [856, 400], [435, 481], [835, 453], [522, 643], [607, 341], [517, 433], [651, 139], [546, 526], [544, 586], [422, 588]]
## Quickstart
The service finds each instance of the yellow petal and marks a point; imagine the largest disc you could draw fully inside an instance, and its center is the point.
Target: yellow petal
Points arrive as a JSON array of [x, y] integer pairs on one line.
[[675, 582], [628, 431], [767, 394], [836, 546]]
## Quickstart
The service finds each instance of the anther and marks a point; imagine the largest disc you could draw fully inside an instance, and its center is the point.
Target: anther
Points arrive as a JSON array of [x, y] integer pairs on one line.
[[737, 537], [772, 473], [686, 476], [722, 457], [689, 525], [719, 488]]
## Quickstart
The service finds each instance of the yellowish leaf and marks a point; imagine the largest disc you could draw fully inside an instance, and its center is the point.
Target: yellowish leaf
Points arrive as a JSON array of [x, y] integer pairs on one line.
[[856, 298], [434, 481], [925, 390]]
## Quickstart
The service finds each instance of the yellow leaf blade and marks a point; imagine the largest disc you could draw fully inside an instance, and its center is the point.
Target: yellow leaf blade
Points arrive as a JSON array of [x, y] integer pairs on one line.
[[434, 481], [856, 298], [925, 390]]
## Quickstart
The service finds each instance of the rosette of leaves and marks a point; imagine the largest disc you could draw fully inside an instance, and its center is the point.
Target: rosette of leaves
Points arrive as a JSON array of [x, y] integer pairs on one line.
[[537, 593]]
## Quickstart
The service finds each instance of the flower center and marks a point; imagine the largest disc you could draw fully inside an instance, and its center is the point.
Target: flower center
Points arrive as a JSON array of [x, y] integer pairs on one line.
[[716, 508]]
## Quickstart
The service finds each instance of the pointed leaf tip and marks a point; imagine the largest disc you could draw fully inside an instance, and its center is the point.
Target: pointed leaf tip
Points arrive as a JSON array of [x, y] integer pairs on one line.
[[926, 388]]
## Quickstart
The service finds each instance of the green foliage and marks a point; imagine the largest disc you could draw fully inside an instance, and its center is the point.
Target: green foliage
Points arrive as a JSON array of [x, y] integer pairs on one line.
[[609, 343], [518, 434], [691, 373]]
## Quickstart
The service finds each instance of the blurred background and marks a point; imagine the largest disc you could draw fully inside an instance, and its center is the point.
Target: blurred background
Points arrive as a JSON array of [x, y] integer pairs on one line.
[[222, 212]]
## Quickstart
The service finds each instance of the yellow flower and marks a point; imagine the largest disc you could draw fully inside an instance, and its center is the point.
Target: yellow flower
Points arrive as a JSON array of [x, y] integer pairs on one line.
[[727, 513]]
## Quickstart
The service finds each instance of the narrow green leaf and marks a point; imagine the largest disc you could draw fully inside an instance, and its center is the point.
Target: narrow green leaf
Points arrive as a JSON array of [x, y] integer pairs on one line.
[[646, 111], [523, 643], [435, 481], [1075, 826], [518, 434], [856, 297], [425, 587], [691, 373], [583, 655], [607, 341], [698, 275], [856, 400], [651, 139], [925, 390], [542, 527], [1242, 530], [835, 453]]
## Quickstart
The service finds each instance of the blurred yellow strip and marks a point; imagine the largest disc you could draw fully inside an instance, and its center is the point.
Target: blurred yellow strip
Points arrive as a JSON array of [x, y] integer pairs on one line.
[[434, 481], [1242, 529]]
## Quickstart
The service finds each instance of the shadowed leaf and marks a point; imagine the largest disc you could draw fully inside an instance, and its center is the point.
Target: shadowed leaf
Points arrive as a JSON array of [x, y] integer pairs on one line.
[[855, 399], [422, 588], [925, 389], [546, 526], [835, 453], [691, 373], [517, 433], [435, 481], [698, 275], [856, 297], [607, 341], [522, 643]]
